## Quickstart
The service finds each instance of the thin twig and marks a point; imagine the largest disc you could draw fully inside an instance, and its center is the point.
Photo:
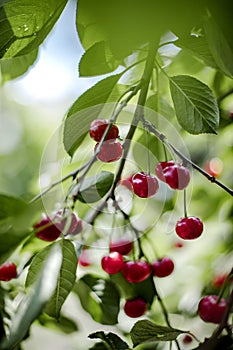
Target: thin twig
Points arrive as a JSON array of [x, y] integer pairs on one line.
[[148, 125]]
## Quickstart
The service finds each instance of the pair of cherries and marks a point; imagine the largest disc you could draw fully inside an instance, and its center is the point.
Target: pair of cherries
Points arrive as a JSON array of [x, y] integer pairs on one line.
[[111, 150], [145, 185], [49, 229], [134, 272]]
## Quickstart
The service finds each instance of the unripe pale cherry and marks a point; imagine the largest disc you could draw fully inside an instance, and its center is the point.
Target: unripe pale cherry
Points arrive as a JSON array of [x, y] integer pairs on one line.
[[110, 151], [210, 309], [122, 246], [190, 227], [8, 271], [162, 267], [112, 263], [135, 307], [145, 185], [136, 271], [98, 127]]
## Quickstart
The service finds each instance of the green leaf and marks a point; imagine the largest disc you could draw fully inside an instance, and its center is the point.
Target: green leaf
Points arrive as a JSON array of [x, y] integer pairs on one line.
[[197, 46], [25, 24], [147, 331], [84, 110], [97, 60], [99, 346], [159, 105], [63, 324], [219, 46], [95, 187], [12, 68], [111, 339], [195, 105], [32, 304], [16, 217], [66, 279], [99, 297]]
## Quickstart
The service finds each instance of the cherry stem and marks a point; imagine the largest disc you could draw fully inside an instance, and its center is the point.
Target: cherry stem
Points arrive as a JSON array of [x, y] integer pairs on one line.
[[164, 310], [225, 284], [148, 152], [148, 125], [185, 204]]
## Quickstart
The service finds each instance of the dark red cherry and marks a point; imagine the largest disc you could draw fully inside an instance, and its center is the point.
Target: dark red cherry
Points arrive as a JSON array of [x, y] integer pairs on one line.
[[110, 151], [211, 309], [189, 228], [76, 224], [8, 271], [46, 230], [136, 271], [112, 263], [98, 127], [160, 168], [135, 307], [187, 339], [145, 185], [122, 246], [176, 176], [162, 267]]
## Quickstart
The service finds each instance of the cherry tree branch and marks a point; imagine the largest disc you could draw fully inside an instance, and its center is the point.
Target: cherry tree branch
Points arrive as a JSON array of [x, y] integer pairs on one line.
[[149, 126]]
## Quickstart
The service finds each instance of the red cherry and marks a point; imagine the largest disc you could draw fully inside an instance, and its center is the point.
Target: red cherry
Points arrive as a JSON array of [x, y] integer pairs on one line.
[[218, 280], [47, 230], [160, 168], [136, 271], [162, 267], [112, 263], [110, 151], [123, 246], [210, 310], [8, 271], [187, 339], [189, 228], [135, 307], [97, 129], [177, 176], [127, 182], [76, 224], [145, 185]]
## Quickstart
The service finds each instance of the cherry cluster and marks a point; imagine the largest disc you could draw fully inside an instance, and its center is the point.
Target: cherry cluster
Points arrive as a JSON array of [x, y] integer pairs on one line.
[[111, 150], [134, 271]]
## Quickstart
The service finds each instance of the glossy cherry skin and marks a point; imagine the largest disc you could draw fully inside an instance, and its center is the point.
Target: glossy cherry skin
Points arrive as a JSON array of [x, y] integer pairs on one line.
[[211, 311], [176, 176], [122, 246], [189, 228], [110, 151], [135, 307], [136, 271], [98, 127], [145, 185], [162, 267], [8, 271], [112, 263], [160, 168], [47, 230]]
